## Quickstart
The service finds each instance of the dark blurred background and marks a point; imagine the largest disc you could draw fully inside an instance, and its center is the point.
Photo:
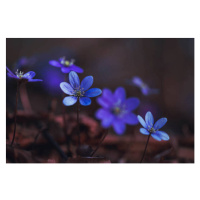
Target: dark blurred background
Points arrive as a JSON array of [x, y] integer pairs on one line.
[[166, 64]]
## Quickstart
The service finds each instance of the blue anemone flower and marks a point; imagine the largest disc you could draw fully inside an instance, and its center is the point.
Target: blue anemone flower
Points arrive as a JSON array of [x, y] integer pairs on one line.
[[116, 110], [66, 65], [21, 76], [149, 128], [79, 91], [145, 89]]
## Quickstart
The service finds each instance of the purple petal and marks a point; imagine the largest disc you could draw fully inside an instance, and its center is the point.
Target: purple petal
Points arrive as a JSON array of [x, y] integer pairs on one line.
[[130, 119], [106, 93], [93, 92], [105, 116], [104, 102], [119, 126], [144, 131], [160, 123], [66, 88], [155, 136], [102, 113], [87, 82], [145, 91], [107, 96], [55, 63], [85, 101], [29, 75], [131, 103], [149, 119], [142, 122], [162, 135], [65, 70], [76, 69], [137, 81], [69, 101], [10, 72], [74, 80], [120, 94], [34, 80], [12, 76]]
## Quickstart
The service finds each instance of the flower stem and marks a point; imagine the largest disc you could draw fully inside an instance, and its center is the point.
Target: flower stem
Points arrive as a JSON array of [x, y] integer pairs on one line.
[[25, 99], [145, 148], [102, 139], [64, 122], [78, 123], [17, 94]]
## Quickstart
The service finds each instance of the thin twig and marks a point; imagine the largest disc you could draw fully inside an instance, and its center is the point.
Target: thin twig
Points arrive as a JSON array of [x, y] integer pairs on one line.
[[102, 139]]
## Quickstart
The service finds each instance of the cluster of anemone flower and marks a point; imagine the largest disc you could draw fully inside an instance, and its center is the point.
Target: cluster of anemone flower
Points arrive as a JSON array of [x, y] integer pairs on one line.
[[116, 110]]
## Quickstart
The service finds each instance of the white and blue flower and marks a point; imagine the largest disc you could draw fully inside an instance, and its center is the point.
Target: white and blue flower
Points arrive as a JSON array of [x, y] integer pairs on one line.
[[151, 128], [79, 91]]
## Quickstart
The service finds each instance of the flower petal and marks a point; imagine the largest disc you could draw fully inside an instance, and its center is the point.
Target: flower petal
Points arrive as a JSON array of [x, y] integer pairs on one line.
[[102, 113], [69, 101], [29, 75], [74, 80], [10, 72], [34, 80], [142, 122], [93, 92], [76, 69], [65, 70], [55, 63], [107, 93], [107, 96], [12, 76], [149, 119], [119, 126], [87, 82], [120, 94], [131, 103], [144, 131], [85, 101], [162, 135], [137, 81], [160, 123], [155, 136], [66, 88], [104, 102], [105, 116], [145, 90], [130, 119]]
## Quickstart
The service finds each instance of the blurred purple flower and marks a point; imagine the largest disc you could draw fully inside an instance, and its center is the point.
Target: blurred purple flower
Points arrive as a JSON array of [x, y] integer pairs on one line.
[[66, 66], [21, 76], [149, 128], [143, 86], [79, 91], [116, 110], [25, 61]]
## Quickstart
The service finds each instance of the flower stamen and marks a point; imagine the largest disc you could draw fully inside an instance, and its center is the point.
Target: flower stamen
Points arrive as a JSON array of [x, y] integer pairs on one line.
[[19, 74]]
